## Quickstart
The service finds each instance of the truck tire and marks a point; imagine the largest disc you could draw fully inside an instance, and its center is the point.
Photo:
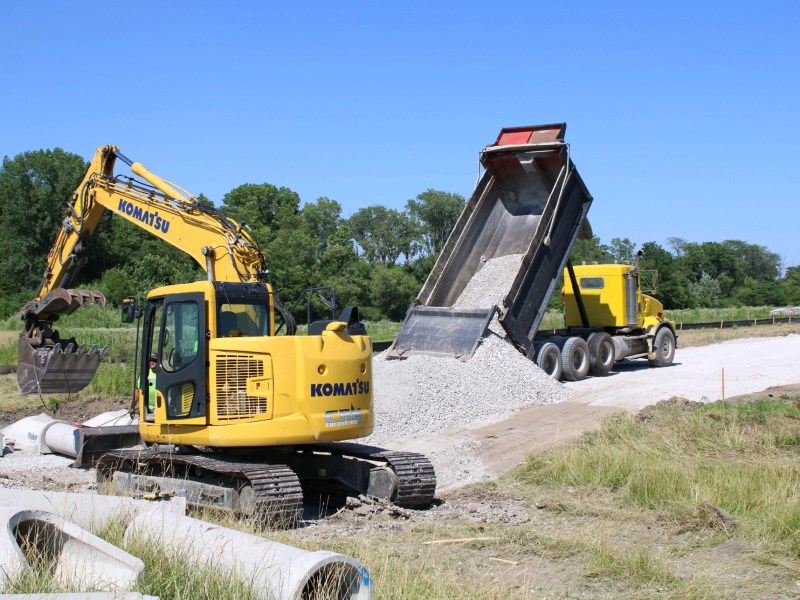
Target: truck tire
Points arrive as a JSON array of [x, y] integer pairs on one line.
[[548, 359], [601, 353], [663, 348], [574, 359]]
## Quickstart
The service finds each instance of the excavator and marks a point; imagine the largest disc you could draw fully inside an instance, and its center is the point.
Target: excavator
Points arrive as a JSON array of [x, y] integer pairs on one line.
[[232, 415]]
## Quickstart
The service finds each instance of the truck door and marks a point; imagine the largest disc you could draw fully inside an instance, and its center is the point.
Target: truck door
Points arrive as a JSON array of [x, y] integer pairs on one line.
[[175, 333]]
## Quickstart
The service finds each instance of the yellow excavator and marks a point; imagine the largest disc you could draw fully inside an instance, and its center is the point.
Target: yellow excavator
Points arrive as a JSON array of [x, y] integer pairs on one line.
[[233, 415]]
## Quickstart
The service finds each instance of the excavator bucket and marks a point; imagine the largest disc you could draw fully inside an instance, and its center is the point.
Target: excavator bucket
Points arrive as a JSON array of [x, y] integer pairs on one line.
[[46, 363], [60, 302]]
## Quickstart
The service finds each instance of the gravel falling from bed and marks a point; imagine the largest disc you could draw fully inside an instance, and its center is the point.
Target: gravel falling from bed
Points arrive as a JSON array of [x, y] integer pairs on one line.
[[423, 395]]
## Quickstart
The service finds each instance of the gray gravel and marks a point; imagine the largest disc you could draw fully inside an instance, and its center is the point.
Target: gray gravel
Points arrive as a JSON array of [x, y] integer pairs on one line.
[[423, 395], [491, 283], [27, 469], [426, 394]]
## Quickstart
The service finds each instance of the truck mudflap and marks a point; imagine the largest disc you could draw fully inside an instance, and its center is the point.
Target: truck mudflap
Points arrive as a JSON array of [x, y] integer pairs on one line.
[[441, 331], [530, 201]]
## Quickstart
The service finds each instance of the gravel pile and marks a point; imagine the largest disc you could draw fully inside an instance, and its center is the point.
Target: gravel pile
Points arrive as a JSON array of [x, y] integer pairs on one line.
[[426, 394], [423, 395]]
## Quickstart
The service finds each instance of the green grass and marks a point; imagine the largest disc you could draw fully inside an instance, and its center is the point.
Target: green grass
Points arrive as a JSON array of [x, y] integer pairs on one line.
[[711, 315], [554, 319], [90, 316], [739, 458], [383, 331]]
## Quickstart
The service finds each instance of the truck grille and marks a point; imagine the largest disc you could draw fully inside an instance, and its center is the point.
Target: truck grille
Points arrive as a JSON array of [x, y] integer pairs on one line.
[[233, 402]]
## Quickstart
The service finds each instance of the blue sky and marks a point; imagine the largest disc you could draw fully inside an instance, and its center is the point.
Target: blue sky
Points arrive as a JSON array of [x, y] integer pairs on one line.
[[683, 117]]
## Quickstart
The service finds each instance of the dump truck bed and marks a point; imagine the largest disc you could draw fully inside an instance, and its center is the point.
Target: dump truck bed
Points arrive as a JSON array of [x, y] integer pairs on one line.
[[530, 201]]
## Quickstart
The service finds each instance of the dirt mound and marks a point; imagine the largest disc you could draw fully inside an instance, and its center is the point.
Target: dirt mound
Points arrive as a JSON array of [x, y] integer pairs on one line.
[[75, 410]]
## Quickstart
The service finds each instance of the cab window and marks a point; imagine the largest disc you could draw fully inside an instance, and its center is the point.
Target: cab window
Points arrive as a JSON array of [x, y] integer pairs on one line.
[[180, 336], [242, 320], [592, 283]]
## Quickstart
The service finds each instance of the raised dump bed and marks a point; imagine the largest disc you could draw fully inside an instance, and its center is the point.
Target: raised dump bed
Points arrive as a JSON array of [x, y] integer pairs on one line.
[[530, 201]]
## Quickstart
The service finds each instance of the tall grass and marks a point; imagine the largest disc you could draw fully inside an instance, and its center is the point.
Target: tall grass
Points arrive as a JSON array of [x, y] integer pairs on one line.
[[740, 458]]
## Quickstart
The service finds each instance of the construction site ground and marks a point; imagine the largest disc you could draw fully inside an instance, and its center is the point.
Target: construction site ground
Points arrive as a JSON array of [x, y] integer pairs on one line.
[[512, 539]]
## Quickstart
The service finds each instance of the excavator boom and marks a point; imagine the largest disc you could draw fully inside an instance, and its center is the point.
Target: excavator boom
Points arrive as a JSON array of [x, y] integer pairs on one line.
[[49, 364]]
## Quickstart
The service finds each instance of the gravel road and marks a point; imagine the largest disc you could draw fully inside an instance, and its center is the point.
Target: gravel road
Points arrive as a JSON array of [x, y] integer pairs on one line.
[[464, 455], [750, 365]]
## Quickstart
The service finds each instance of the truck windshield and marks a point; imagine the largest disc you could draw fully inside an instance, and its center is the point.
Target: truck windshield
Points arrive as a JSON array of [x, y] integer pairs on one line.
[[242, 320]]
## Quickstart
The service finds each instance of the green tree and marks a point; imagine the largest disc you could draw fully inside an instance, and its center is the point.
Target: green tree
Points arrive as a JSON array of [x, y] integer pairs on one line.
[[340, 266], [35, 188], [322, 218], [589, 251], [435, 214], [622, 250], [116, 284], [261, 207], [704, 293], [393, 290], [790, 287], [291, 258], [382, 233], [673, 285], [754, 261]]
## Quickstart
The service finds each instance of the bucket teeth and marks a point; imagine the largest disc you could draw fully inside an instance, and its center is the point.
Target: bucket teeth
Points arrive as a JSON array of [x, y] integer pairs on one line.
[[57, 368], [61, 302]]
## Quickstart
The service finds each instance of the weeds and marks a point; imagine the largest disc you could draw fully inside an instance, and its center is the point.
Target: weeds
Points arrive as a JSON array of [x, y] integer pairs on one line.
[[737, 460]]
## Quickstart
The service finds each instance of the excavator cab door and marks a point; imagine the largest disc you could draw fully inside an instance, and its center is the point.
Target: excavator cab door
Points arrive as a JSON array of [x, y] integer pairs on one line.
[[175, 328]]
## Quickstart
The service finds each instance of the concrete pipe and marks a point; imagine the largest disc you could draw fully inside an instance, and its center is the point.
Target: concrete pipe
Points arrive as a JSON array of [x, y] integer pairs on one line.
[[274, 571], [29, 433], [61, 438], [90, 511], [114, 418], [79, 558]]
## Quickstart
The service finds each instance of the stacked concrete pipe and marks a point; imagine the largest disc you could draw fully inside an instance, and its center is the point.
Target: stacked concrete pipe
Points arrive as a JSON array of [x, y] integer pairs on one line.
[[45, 434]]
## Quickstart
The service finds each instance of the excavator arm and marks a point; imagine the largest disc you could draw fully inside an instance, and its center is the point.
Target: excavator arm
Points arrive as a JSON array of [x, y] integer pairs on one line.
[[224, 248]]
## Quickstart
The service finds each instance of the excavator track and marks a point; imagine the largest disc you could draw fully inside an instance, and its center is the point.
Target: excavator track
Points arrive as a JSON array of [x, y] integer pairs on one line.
[[271, 492], [416, 478], [268, 492]]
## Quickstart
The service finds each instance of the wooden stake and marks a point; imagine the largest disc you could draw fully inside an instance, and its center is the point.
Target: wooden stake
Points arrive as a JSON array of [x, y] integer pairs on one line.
[[504, 561], [461, 540]]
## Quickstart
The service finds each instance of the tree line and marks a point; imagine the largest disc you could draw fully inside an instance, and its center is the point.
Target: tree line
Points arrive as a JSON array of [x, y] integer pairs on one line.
[[377, 258]]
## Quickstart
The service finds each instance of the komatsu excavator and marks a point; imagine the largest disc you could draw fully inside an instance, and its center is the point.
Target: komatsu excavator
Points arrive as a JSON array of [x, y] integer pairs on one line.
[[237, 417]]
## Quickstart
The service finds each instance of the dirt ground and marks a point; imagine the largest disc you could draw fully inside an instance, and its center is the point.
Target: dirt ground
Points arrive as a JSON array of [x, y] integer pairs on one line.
[[72, 411]]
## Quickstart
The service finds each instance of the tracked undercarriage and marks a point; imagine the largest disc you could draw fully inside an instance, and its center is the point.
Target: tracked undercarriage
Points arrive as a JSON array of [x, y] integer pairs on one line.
[[271, 488]]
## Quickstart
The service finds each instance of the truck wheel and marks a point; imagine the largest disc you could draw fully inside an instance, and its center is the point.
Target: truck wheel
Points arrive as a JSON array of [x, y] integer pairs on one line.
[[574, 359], [548, 359], [663, 348], [601, 353]]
